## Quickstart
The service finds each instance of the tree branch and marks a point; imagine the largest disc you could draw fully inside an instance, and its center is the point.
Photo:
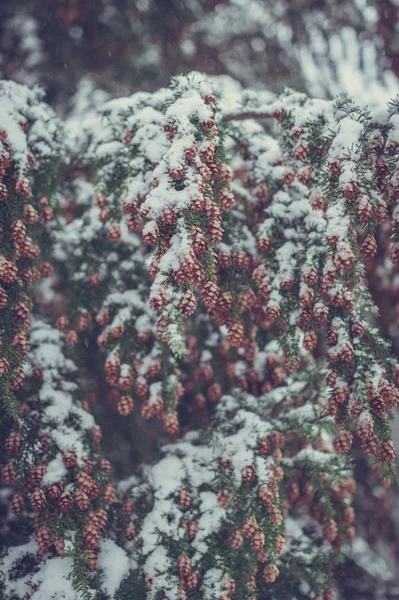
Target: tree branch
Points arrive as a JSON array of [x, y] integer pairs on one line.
[[249, 115]]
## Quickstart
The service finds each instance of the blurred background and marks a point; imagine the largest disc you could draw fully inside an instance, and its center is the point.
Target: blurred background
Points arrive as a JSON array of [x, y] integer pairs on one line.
[[319, 46], [82, 52]]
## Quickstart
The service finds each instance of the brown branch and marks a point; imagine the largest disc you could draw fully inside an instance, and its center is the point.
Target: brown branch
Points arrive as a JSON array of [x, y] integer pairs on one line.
[[249, 115]]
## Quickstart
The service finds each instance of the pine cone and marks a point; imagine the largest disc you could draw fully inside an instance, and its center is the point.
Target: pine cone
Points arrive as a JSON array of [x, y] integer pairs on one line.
[[270, 573], [37, 499], [235, 540], [249, 527]]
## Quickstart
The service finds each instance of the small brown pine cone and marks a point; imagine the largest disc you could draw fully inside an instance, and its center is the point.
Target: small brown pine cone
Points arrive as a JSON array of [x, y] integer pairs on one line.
[[114, 231], [248, 474], [71, 337], [277, 439], [84, 480], [70, 459], [171, 423], [3, 298], [250, 526], [192, 581], [4, 366], [310, 276], [236, 334], [343, 442], [223, 498], [293, 492], [46, 442], [109, 494], [59, 546], [310, 340], [17, 504], [131, 532], [199, 241], [18, 231], [235, 540], [328, 594], [55, 490], [215, 231], [389, 394], [306, 299], [91, 537], [264, 446], [188, 303], [348, 515], [99, 518], [46, 214], [17, 379], [8, 474], [264, 244], [22, 187], [141, 387], [82, 499], [91, 558], [128, 506], [46, 269], [377, 405], [209, 294], [185, 499], [387, 452], [105, 465], [103, 317], [192, 529], [214, 393], [370, 445], [332, 335], [365, 428], [37, 372], [183, 566], [364, 208], [95, 435], [150, 234], [224, 260], [3, 191], [225, 302], [357, 329], [258, 541], [37, 474], [13, 443], [270, 573], [246, 300], [301, 151], [272, 313], [266, 495], [280, 543], [66, 503], [8, 270], [262, 556], [275, 515], [330, 530], [239, 259], [30, 213], [37, 499], [125, 405], [320, 313], [87, 465], [350, 534], [43, 538], [368, 247]]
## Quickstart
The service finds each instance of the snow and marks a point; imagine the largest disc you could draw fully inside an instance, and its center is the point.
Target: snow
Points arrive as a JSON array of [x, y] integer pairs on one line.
[[115, 564]]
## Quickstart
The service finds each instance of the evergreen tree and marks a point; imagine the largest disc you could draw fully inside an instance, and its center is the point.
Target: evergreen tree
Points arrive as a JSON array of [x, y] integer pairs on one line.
[[198, 299]]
